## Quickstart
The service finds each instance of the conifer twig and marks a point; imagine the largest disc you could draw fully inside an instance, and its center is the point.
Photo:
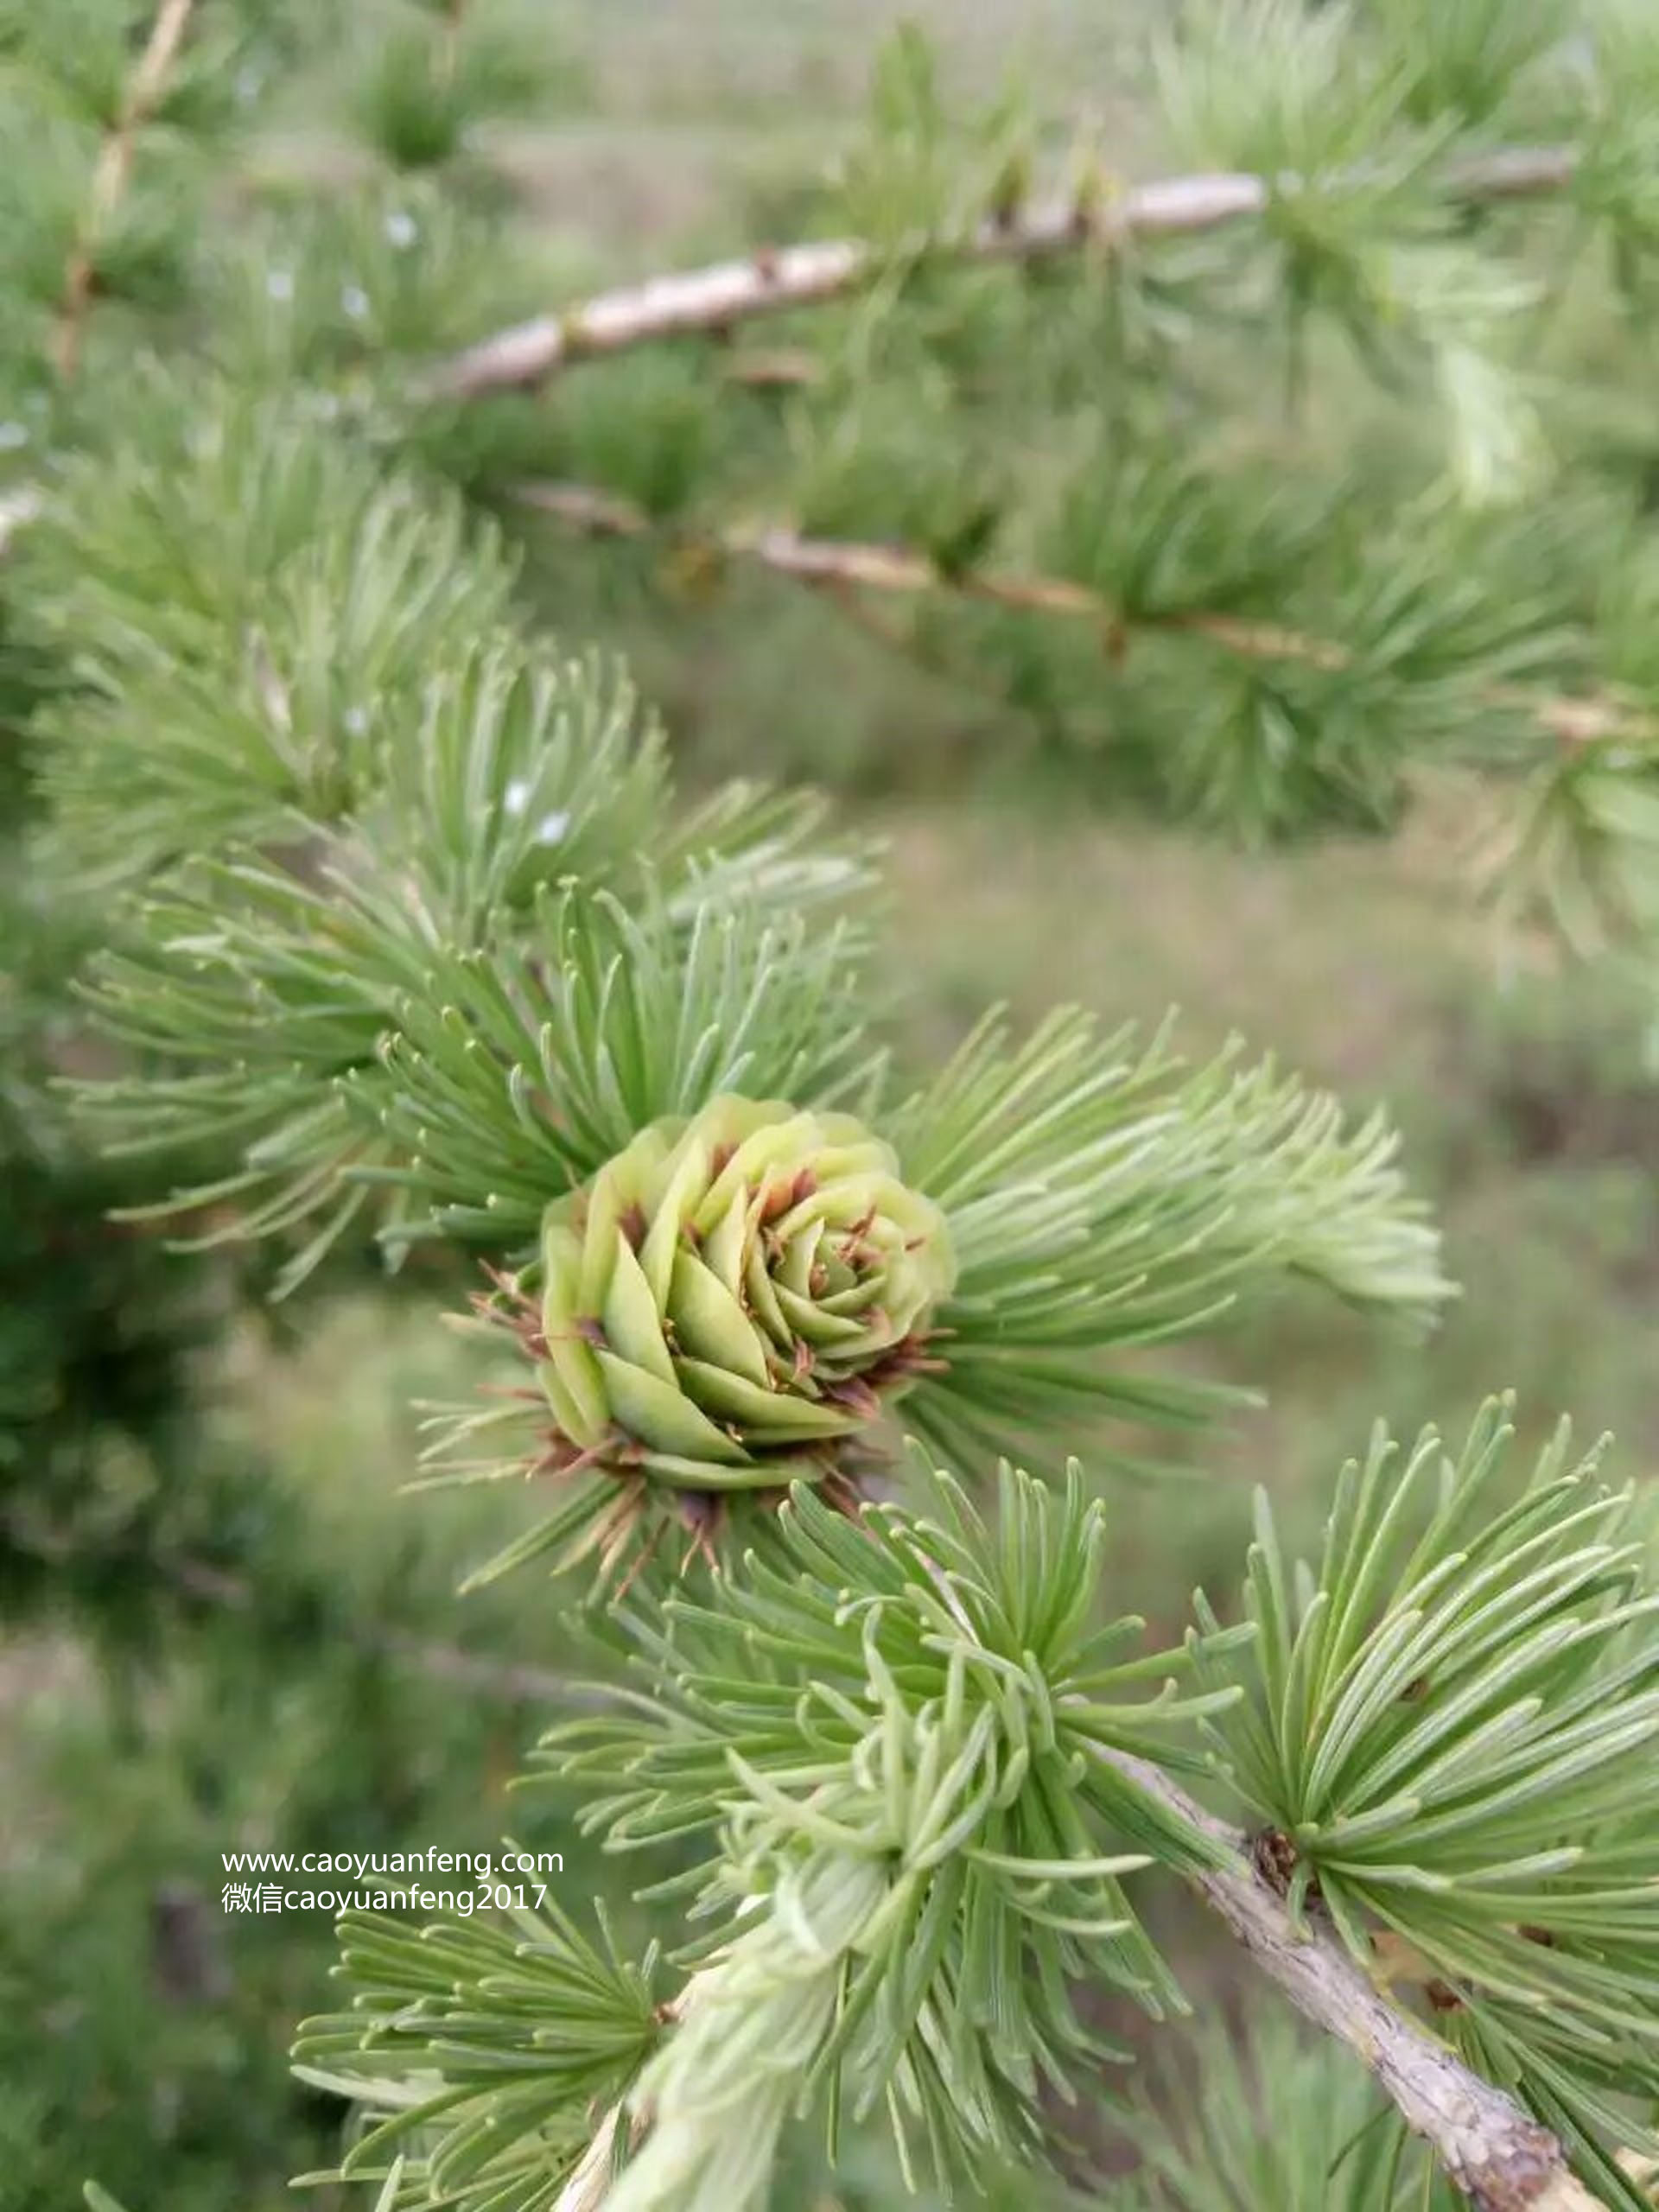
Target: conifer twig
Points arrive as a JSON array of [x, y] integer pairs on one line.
[[590, 2184], [1500, 2159], [715, 298], [454, 13], [844, 566], [138, 102], [508, 1682]]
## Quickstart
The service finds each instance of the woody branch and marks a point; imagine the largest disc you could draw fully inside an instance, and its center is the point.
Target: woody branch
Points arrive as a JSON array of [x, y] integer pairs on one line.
[[770, 281], [839, 565], [143, 96]]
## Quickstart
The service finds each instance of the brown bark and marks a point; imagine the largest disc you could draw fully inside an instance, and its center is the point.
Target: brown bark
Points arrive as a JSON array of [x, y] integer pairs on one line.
[[729, 292], [141, 98]]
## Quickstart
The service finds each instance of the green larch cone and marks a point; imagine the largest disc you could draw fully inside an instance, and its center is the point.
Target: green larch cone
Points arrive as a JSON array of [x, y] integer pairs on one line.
[[734, 1296]]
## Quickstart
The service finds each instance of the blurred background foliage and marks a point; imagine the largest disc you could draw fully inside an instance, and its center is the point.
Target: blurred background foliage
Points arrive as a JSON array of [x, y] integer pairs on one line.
[[222, 1626]]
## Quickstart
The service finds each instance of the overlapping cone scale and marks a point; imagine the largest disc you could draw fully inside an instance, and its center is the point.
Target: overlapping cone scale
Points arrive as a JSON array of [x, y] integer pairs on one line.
[[736, 1294]]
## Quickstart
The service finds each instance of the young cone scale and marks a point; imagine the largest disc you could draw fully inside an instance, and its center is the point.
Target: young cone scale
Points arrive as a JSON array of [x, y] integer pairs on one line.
[[733, 1297]]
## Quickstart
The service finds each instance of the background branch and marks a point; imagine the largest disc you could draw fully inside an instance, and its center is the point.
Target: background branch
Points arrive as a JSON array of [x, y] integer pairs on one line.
[[511, 1682], [842, 566], [141, 98], [769, 282]]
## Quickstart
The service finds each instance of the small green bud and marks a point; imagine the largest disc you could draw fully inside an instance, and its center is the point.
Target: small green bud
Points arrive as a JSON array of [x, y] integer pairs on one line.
[[734, 1297]]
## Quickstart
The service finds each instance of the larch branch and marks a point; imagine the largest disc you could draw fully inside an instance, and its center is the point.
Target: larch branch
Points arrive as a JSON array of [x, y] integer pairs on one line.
[[507, 1681], [842, 566], [1500, 2159], [715, 298], [140, 100]]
